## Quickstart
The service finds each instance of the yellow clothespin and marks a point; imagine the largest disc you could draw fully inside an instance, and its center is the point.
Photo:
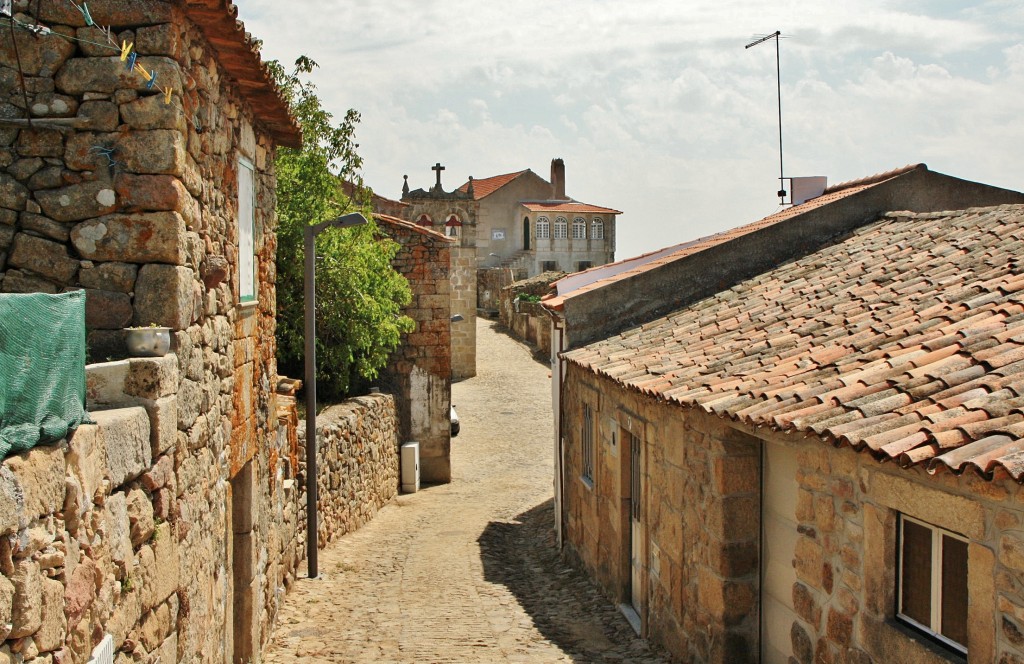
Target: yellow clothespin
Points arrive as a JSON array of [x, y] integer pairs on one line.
[[167, 95], [142, 70], [126, 48]]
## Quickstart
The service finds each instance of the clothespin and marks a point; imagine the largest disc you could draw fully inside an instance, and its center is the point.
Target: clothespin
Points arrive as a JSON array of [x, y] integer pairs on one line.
[[6, 8], [167, 95], [142, 71], [130, 63], [152, 81], [84, 9], [126, 48], [40, 30]]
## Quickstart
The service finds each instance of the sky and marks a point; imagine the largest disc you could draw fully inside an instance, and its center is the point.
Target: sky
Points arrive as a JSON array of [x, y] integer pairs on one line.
[[655, 105]]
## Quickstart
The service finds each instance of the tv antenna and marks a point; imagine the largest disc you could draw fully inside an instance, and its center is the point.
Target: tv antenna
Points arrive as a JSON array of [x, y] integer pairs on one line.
[[778, 82]]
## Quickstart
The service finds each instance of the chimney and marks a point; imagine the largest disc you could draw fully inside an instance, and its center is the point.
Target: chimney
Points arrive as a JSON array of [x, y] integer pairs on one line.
[[558, 180]]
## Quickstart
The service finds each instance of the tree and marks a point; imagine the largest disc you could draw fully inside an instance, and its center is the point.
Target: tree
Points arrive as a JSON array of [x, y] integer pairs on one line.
[[359, 295]]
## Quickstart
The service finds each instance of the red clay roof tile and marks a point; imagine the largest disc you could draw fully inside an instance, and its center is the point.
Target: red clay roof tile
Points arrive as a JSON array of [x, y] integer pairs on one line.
[[904, 338]]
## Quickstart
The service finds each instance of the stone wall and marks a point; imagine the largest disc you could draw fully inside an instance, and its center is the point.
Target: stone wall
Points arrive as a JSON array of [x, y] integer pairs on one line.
[[700, 553], [419, 371], [357, 462], [490, 281], [463, 292], [137, 202]]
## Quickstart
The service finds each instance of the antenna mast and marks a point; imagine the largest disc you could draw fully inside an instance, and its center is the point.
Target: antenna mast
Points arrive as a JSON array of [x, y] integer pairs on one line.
[[778, 82]]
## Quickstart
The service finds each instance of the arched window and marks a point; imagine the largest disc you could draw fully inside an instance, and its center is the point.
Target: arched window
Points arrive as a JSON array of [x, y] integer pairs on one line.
[[561, 228], [543, 228], [526, 233], [597, 229], [579, 228], [425, 220]]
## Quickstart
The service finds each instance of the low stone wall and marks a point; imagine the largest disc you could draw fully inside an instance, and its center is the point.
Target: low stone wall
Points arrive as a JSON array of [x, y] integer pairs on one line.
[[97, 537], [357, 464], [527, 320]]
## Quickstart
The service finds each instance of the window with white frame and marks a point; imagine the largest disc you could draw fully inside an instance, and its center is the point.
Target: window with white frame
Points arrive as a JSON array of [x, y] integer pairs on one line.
[[587, 445], [246, 231], [543, 228], [932, 578], [579, 228], [597, 229], [561, 228]]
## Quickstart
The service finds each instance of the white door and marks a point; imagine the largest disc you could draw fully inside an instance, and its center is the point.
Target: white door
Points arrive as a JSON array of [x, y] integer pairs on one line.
[[778, 544], [635, 530]]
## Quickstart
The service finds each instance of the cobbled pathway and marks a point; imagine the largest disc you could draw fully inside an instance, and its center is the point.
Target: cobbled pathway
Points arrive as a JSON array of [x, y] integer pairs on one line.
[[467, 571]]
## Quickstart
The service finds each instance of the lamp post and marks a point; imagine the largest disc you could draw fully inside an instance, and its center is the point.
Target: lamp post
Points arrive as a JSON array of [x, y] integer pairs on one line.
[[309, 281]]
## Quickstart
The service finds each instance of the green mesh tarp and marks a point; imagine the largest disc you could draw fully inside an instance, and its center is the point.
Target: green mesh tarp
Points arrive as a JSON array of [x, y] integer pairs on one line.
[[42, 368]]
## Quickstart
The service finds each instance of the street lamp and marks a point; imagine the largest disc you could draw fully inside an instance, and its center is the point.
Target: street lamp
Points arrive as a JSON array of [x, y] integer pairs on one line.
[[309, 281]]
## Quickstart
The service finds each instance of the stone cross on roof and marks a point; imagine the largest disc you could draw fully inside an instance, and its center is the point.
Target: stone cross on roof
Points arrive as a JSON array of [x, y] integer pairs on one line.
[[438, 168]]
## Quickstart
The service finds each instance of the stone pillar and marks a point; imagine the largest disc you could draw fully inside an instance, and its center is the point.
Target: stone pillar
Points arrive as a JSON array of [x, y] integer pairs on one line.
[[463, 293]]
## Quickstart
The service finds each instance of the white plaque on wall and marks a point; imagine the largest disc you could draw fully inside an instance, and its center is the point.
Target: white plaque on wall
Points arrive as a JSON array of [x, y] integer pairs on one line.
[[497, 235]]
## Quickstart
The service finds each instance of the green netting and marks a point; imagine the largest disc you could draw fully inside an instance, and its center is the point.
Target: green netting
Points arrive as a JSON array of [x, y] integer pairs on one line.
[[42, 368]]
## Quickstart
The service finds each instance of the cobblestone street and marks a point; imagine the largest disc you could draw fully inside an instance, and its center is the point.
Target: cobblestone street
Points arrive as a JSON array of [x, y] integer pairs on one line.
[[464, 572]]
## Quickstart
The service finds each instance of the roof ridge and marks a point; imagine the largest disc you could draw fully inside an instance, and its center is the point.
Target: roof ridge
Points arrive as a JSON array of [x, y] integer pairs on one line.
[[876, 178]]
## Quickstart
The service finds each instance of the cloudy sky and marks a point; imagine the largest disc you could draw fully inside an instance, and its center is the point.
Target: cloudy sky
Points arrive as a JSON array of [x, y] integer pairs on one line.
[[655, 106]]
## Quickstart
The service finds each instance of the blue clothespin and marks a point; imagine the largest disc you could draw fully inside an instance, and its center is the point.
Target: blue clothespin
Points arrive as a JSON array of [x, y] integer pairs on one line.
[[130, 62], [85, 14], [152, 81]]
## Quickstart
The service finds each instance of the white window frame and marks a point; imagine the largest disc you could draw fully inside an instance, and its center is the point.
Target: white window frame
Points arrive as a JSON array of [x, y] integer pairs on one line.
[[248, 287], [561, 228], [597, 229], [543, 228], [579, 228], [937, 533]]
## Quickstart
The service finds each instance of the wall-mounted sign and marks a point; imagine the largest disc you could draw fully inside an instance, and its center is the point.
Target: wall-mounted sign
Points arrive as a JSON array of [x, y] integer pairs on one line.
[[497, 235]]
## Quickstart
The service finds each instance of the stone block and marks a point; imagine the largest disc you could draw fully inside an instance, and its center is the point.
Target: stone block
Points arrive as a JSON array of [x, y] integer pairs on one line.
[[956, 513], [78, 201], [43, 257], [43, 226], [155, 237], [104, 383], [126, 439], [81, 591], [140, 517], [161, 579], [155, 193], [53, 105], [160, 475], [36, 55], [12, 501], [81, 75], [107, 310], [981, 628], [50, 635], [118, 277], [39, 474], [22, 169], [153, 151], [13, 194], [1011, 551], [152, 377], [163, 419], [46, 178], [27, 605], [99, 115], [79, 154], [151, 112], [164, 295], [117, 529], [808, 559], [40, 143], [6, 606]]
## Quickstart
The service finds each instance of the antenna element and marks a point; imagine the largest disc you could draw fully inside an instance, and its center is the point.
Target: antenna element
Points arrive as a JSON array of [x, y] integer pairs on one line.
[[778, 81]]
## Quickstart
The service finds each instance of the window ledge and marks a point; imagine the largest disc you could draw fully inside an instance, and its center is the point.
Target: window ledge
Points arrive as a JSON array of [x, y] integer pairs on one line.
[[587, 482], [895, 636]]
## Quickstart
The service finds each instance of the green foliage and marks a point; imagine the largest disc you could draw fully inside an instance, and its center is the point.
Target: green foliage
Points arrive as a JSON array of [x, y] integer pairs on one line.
[[359, 295]]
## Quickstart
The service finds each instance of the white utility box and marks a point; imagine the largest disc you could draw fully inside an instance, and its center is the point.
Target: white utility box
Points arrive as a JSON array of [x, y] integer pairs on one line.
[[410, 467]]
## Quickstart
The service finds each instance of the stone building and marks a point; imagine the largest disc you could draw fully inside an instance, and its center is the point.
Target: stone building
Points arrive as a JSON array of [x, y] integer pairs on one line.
[[169, 529], [809, 448], [420, 369]]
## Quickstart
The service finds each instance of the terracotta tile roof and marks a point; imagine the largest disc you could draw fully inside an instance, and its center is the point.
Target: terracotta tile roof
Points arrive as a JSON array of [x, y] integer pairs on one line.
[[487, 186], [831, 195], [388, 220], [568, 207], [238, 53], [904, 340]]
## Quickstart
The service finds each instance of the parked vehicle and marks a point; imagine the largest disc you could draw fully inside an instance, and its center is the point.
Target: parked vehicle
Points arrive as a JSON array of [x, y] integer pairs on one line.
[[455, 421]]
